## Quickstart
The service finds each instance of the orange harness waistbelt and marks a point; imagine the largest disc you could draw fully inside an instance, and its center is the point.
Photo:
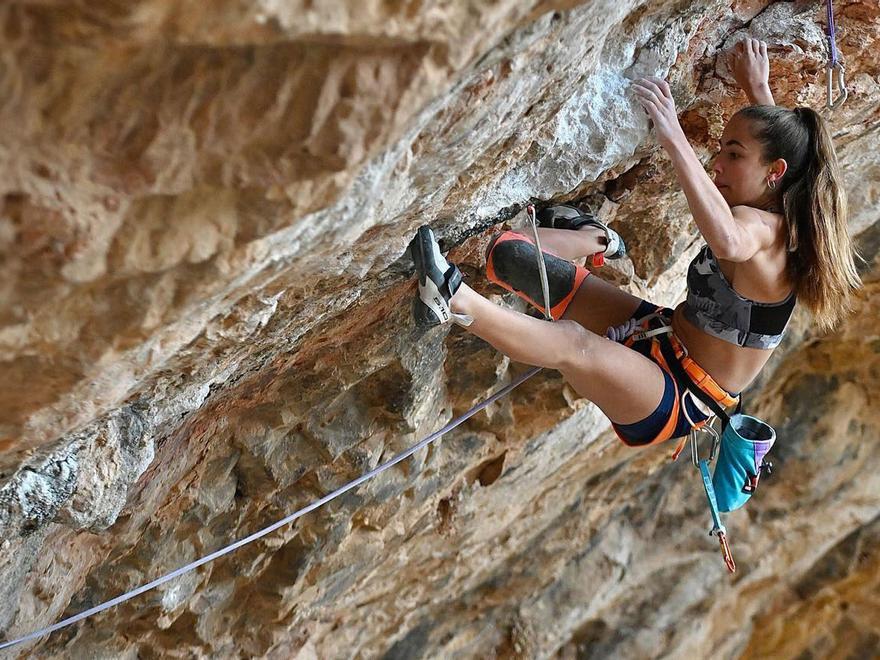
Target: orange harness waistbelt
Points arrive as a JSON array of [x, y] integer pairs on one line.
[[701, 379]]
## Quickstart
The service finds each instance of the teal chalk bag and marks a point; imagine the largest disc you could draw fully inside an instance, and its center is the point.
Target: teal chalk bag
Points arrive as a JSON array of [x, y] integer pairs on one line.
[[745, 442]]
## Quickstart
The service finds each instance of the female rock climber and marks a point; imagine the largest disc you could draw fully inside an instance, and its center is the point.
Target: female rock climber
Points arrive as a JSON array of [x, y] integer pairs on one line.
[[774, 222]]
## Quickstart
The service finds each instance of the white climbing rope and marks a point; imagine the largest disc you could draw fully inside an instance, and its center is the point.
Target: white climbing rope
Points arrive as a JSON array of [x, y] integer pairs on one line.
[[542, 269]]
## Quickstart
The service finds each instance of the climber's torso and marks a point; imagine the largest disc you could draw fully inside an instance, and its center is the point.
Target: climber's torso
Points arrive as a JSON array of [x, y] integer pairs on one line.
[[763, 280]]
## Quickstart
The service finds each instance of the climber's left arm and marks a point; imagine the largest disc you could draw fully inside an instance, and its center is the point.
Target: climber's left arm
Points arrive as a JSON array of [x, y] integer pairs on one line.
[[713, 216]]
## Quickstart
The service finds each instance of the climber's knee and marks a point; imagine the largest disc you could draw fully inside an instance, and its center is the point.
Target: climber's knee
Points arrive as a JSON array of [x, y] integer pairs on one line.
[[577, 346], [511, 263]]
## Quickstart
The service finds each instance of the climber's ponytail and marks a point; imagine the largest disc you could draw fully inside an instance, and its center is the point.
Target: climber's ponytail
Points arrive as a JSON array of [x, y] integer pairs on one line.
[[821, 254]]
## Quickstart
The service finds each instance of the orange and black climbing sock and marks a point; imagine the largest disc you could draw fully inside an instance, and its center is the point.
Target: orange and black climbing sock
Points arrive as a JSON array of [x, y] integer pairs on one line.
[[512, 264]]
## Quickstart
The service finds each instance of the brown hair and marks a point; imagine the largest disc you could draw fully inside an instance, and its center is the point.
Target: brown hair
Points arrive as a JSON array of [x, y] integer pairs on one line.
[[821, 260]]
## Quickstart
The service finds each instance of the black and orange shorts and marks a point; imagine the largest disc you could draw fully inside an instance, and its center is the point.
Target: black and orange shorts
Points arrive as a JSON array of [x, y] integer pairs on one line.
[[676, 414]]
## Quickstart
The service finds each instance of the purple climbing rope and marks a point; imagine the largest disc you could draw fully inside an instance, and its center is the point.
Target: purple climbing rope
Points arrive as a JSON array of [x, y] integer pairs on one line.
[[832, 47], [271, 528]]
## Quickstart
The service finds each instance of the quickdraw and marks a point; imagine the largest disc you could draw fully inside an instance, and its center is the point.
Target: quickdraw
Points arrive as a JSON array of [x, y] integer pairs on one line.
[[834, 64], [702, 465]]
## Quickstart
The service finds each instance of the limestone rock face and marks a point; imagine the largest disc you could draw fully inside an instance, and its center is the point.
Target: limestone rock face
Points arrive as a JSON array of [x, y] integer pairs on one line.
[[205, 325]]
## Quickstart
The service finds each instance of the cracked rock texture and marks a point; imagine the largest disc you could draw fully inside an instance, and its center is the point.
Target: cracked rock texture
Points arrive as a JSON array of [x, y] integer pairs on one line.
[[205, 325]]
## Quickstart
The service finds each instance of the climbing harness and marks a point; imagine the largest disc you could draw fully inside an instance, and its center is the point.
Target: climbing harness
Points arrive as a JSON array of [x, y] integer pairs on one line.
[[834, 64], [627, 330]]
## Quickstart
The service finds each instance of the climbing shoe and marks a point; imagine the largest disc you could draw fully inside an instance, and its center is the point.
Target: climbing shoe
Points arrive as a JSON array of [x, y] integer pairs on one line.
[[438, 282], [569, 217], [512, 263]]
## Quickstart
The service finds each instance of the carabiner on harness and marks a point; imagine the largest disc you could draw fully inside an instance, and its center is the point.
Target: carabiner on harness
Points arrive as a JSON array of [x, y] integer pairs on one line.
[[716, 442]]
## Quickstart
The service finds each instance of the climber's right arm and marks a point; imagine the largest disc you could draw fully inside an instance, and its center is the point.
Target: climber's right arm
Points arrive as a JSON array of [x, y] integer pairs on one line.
[[760, 95], [750, 66]]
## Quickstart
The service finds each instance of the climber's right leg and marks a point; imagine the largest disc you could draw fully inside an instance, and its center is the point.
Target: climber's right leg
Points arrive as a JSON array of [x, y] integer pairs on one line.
[[570, 244], [511, 263], [572, 233]]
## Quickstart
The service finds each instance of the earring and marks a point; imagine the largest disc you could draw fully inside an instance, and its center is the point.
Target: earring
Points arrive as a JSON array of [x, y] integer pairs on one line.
[[772, 184]]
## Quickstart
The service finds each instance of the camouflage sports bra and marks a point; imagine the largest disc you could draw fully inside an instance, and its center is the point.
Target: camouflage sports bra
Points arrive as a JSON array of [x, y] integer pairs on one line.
[[714, 307]]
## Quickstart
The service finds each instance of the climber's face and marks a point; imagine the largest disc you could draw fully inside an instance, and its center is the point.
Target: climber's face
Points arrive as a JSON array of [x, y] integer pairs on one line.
[[740, 173]]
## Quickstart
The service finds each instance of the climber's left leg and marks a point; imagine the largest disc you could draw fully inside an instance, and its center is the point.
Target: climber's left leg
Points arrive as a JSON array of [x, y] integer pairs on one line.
[[627, 386]]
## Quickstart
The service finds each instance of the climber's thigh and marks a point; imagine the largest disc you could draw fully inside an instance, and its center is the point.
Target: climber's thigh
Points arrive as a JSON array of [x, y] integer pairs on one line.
[[598, 304], [625, 384]]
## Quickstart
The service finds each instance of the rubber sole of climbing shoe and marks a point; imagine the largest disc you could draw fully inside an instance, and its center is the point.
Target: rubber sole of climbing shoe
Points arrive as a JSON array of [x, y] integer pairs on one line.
[[512, 263], [438, 282]]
